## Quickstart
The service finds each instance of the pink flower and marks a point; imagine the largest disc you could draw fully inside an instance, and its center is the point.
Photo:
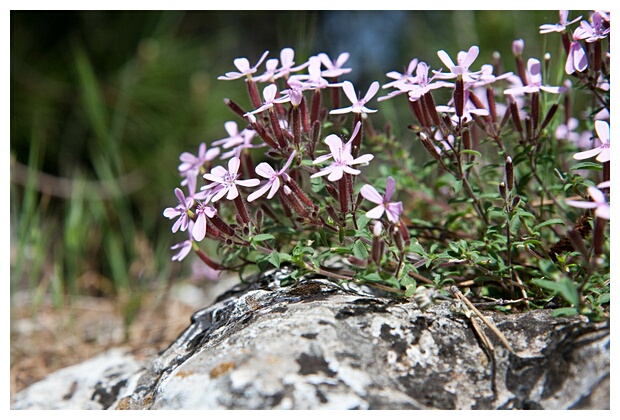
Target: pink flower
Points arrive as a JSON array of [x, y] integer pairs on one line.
[[535, 81], [273, 184], [243, 65], [287, 56], [334, 68], [343, 160], [602, 152], [271, 67], [314, 78], [358, 105], [393, 210], [407, 77], [424, 84], [464, 60], [558, 27], [224, 182], [194, 163], [180, 211], [576, 59], [598, 202], [269, 93], [594, 32], [184, 247], [200, 226], [237, 140]]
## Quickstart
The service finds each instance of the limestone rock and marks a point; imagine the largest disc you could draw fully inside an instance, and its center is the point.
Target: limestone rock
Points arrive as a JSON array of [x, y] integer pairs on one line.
[[320, 345]]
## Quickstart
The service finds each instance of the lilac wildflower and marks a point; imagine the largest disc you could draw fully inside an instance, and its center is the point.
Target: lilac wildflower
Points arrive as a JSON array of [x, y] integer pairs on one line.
[[287, 56], [271, 66], [535, 81], [392, 210], [594, 32], [312, 80], [424, 84], [464, 60], [602, 152], [269, 93], [243, 65], [406, 78], [343, 159], [224, 182], [558, 27], [200, 226], [194, 163], [180, 211], [358, 104], [334, 68], [273, 184], [184, 248], [598, 202]]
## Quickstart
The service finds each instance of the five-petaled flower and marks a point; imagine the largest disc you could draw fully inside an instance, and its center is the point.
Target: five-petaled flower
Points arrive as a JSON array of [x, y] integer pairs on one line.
[[334, 68], [392, 210], [535, 81], [180, 211], [194, 163], [203, 210], [243, 65], [224, 182], [602, 152], [358, 104], [598, 201], [594, 32], [464, 60], [273, 178], [558, 27], [269, 93], [343, 159]]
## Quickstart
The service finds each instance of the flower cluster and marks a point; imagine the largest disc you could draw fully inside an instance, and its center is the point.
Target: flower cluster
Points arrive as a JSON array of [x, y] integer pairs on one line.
[[312, 150]]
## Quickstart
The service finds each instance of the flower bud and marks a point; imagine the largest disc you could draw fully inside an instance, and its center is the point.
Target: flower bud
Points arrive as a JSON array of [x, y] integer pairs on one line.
[[235, 108], [516, 201], [517, 47], [377, 228], [509, 173], [549, 116], [459, 96], [516, 118], [502, 190], [429, 146]]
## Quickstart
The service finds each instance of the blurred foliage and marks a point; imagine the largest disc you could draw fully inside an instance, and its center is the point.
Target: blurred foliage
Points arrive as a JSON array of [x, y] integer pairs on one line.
[[103, 103]]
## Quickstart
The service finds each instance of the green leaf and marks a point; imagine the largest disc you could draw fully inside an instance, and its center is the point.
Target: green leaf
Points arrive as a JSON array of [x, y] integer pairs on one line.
[[565, 312], [274, 259], [565, 287], [471, 152], [457, 185], [549, 222], [262, 237], [359, 250], [592, 166]]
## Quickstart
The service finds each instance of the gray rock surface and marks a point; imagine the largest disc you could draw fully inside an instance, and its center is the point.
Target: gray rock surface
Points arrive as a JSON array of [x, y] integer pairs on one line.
[[319, 345]]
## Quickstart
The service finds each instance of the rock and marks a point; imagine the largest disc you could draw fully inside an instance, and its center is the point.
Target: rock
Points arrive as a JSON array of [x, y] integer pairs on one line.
[[316, 344]]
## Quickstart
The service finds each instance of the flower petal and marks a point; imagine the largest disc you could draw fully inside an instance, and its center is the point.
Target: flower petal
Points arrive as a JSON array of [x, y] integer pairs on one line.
[[265, 170], [602, 129], [200, 227], [390, 187], [587, 153], [349, 90], [259, 192], [376, 212], [370, 193]]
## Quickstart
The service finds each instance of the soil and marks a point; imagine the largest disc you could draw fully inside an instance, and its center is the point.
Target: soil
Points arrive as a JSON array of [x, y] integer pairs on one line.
[[50, 337]]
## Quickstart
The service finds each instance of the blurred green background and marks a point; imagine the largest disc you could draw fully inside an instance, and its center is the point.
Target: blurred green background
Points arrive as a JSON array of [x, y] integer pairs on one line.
[[103, 103]]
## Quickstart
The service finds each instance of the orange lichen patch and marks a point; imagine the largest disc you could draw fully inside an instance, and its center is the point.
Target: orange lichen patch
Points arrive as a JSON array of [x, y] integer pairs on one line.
[[184, 373], [221, 369]]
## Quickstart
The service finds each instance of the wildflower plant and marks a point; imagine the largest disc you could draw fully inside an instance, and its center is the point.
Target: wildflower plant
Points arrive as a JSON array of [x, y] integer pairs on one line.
[[507, 209]]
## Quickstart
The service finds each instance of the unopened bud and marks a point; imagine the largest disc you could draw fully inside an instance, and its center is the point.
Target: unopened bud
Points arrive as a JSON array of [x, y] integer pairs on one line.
[[429, 146], [510, 177], [377, 228], [459, 96], [467, 139], [398, 239], [235, 108], [502, 190], [516, 118], [549, 116], [535, 109], [516, 201], [517, 47]]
